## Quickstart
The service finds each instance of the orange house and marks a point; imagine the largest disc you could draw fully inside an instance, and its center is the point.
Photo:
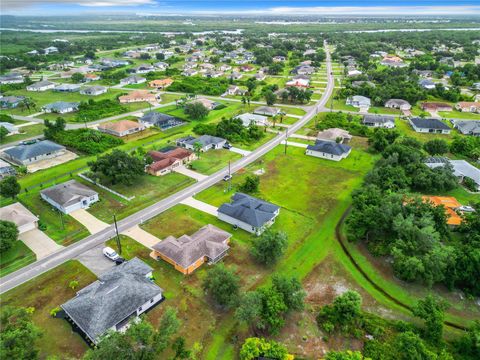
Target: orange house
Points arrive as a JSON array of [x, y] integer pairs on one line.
[[450, 204], [188, 253], [160, 83]]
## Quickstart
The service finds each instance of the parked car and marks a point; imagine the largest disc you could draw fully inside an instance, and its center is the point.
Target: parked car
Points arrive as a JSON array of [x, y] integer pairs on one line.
[[227, 177], [111, 254], [227, 146]]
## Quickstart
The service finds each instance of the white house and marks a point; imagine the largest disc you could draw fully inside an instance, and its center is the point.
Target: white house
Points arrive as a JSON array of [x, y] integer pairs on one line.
[[383, 121], [328, 150], [69, 196], [429, 125], [249, 118], [43, 85], [358, 101], [20, 216]]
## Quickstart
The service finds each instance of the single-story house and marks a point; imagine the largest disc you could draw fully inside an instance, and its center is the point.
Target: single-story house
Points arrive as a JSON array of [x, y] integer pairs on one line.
[[165, 162], [208, 104], [329, 150], [435, 106], [359, 101], [11, 102], [235, 90], [429, 125], [119, 296], [189, 72], [333, 134], [384, 121], [248, 119], [267, 111], [354, 72], [50, 50], [248, 213], [69, 196], [138, 96], [398, 104], [43, 85], [427, 84], [467, 127], [6, 169], [161, 65], [121, 128], [468, 106], [160, 83], [235, 75], [302, 83], [94, 90], [67, 87], [303, 70], [450, 204], [461, 168], [134, 79], [20, 216], [161, 120], [207, 142], [143, 69], [187, 253], [11, 78], [12, 129], [61, 107], [26, 154], [91, 77]]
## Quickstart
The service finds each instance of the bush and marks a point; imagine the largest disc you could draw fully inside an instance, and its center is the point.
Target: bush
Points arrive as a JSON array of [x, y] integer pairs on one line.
[[250, 184], [470, 184], [54, 311], [88, 141]]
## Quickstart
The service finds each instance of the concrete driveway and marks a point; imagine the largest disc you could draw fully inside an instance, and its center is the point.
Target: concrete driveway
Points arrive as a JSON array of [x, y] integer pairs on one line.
[[39, 243], [92, 224], [200, 205], [240, 151], [190, 173], [296, 144], [143, 237], [95, 261], [48, 163]]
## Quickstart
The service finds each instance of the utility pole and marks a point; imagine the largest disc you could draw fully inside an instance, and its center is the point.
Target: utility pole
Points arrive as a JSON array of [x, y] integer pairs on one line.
[[229, 176], [119, 245], [286, 138]]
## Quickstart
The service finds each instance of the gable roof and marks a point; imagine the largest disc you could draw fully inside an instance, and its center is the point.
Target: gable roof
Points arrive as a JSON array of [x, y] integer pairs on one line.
[[24, 152], [329, 147], [68, 193], [209, 241], [120, 126], [249, 209], [112, 298], [429, 123]]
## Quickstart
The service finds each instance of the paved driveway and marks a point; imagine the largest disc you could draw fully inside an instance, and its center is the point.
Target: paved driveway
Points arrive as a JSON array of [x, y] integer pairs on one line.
[[92, 224], [190, 173], [200, 205], [143, 237], [296, 144], [240, 151], [95, 261], [48, 163], [39, 243]]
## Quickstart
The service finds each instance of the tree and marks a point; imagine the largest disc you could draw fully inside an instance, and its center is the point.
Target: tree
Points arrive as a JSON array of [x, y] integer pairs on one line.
[[436, 147], [345, 355], [3, 132], [196, 110], [52, 129], [270, 97], [169, 325], [291, 290], [18, 334], [273, 310], [118, 167], [78, 77], [469, 344], [250, 185], [432, 311], [347, 306], [409, 345], [222, 285], [160, 56], [269, 247], [8, 235], [250, 308], [181, 352], [197, 148], [9, 187], [255, 348]]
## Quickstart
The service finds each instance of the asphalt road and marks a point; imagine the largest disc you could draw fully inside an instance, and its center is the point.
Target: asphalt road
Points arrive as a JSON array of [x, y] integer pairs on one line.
[[39, 267]]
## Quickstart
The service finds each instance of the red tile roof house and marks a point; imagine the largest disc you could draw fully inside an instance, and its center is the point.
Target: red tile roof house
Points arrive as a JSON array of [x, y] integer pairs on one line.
[[165, 162], [468, 106], [435, 107], [121, 128], [138, 96]]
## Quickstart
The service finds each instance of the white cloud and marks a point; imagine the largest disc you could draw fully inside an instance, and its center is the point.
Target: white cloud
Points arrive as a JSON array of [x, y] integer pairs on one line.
[[16, 4]]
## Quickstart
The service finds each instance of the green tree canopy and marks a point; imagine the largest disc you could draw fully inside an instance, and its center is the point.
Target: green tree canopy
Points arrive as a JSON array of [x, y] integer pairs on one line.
[[9, 187], [222, 284], [118, 167]]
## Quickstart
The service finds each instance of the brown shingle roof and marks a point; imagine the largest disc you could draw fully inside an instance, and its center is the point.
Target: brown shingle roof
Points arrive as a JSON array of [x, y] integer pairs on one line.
[[120, 126]]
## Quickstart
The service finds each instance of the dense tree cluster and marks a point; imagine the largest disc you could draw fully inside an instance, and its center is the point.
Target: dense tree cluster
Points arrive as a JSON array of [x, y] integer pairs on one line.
[[344, 121], [223, 285], [8, 235], [118, 167], [93, 110], [256, 348], [200, 85], [269, 247], [196, 110], [232, 130]]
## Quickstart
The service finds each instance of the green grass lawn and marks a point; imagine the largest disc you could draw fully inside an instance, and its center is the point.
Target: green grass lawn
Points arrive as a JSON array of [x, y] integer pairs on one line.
[[15, 258], [404, 128], [147, 190], [340, 105], [214, 160], [384, 110], [44, 293], [459, 115], [25, 133]]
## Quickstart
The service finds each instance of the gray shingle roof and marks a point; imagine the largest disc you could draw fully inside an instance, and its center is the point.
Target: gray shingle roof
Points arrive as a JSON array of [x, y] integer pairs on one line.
[[205, 140], [329, 147], [112, 298], [24, 152], [468, 127], [161, 120], [68, 193], [249, 210], [378, 119], [61, 105], [429, 123], [186, 250]]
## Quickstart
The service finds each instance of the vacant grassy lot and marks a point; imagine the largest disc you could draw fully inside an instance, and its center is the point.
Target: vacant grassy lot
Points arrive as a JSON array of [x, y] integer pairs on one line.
[[15, 258], [214, 160], [45, 293], [459, 115], [25, 133]]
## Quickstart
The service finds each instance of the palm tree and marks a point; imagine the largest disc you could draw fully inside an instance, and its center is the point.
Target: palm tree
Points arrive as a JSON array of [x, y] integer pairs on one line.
[[197, 148]]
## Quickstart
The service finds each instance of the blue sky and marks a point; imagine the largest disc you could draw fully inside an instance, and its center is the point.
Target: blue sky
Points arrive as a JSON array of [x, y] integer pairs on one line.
[[280, 7]]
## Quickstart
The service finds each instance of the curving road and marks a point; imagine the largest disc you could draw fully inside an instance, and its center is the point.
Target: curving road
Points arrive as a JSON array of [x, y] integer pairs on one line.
[[39, 267]]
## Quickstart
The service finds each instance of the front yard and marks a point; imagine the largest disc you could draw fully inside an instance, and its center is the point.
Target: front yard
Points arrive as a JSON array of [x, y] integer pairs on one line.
[[213, 160]]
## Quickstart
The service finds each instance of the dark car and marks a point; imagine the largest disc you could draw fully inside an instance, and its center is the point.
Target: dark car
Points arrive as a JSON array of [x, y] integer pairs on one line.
[[227, 146]]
